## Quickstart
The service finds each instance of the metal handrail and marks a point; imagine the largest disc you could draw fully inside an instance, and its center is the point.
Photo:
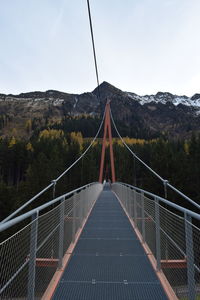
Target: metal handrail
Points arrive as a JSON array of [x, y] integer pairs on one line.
[[46, 238], [176, 206], [172, 238], [28, 214]]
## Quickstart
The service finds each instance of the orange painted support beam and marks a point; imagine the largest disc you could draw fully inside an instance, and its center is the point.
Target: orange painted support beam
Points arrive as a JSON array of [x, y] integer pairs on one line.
[[107, 130], [47, 262], [174, 264]]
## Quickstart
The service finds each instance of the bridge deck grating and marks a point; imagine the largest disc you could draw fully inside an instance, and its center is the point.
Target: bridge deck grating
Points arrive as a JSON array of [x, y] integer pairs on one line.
[[108, 261], [109, 291]]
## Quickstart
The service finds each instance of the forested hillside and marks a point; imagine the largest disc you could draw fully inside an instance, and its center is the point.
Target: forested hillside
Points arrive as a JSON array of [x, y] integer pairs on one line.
[[27, 166]]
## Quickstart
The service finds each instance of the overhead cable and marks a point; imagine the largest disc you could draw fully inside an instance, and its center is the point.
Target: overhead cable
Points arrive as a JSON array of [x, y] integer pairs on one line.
[[83, 154], [164, 181], [93, 46], [141, 161]]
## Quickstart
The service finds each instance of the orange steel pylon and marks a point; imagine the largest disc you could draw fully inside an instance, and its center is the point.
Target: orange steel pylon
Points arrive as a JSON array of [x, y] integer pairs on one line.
[[107, 130]]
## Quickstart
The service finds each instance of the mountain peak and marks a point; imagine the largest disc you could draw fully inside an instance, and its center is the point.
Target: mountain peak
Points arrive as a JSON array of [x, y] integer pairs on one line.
[[106, 90], [195, 97], [164, 94]]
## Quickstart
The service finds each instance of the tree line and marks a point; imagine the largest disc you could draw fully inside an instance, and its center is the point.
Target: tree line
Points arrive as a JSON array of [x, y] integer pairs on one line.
[[27, 166]]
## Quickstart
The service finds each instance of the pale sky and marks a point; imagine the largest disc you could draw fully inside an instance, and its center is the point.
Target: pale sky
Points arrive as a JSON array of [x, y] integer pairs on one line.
[[143, 46]]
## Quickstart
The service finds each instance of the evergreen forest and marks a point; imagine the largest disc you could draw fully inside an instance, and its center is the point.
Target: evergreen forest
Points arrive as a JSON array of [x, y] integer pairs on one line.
[[27, 165]]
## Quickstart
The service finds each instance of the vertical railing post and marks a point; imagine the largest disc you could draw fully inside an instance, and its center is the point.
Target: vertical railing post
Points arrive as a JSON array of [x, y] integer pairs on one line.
[[89, 199], [81, 207], [32, 257], [143, 216], [120, 192], [190, 257], [74, 218], [126, 195], [83, 204], [157, 220], [130, 199], [78, 209], [61, 233], [132, 203], [86, 202], [122, 198], [135, 208]]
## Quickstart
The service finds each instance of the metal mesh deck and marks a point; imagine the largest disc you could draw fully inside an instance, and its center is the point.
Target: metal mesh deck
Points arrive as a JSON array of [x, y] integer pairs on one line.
[[108, 261]]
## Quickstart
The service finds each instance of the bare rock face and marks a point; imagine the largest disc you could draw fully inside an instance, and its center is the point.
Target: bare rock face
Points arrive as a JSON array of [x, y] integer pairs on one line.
[[163, 113]]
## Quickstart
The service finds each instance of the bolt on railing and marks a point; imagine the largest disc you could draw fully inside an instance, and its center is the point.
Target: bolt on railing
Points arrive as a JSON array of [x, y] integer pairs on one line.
[[172, 235], [30, 258]]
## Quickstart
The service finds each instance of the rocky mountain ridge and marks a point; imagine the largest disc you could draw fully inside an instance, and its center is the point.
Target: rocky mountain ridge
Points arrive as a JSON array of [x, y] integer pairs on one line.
[[163, 113]]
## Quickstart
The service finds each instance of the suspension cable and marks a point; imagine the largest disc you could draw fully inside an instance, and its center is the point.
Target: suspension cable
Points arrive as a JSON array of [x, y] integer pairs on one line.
[[141, 161], [53, 182], [93, 46], [83, 154], [164, 181]]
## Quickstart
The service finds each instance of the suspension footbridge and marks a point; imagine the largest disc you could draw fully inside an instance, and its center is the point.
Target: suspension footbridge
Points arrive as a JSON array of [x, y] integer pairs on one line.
[[102, 241]]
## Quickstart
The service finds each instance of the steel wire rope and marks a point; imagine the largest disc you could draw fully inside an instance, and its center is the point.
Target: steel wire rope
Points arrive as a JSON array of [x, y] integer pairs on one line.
[[93, 46], [164, 181], [83, 154], [54, 181], [140, 160]]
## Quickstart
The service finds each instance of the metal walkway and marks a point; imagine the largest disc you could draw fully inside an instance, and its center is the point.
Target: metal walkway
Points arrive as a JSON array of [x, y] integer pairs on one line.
[[108, 261]]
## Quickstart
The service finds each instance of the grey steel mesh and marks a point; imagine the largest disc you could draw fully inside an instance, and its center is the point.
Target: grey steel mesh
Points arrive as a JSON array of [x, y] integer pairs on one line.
[[172, 236], [30, 258]]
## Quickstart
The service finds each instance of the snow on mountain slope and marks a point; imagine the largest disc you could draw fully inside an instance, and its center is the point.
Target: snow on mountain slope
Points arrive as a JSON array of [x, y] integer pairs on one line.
[[165, 98]]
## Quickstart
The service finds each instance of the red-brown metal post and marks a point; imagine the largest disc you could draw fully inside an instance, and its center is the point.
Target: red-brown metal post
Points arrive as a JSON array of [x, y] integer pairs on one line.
[[107, 129]]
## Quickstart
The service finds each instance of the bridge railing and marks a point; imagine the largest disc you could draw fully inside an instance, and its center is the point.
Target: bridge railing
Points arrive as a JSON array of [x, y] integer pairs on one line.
[[170, 233], [30, 258]]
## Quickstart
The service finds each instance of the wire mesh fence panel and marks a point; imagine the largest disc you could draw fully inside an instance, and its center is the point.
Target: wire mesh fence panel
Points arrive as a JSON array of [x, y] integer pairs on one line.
[[129, 202], [131, 206], [30, 258], [173, 226], [76, 221], [67, 231], [171, 235], [197, 284], [173, 263], [46, 263], [139, 212], [47, 239], [193, 260], [150, 227], [47, 256], [196, 247], [149, 208], [14, 261]]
